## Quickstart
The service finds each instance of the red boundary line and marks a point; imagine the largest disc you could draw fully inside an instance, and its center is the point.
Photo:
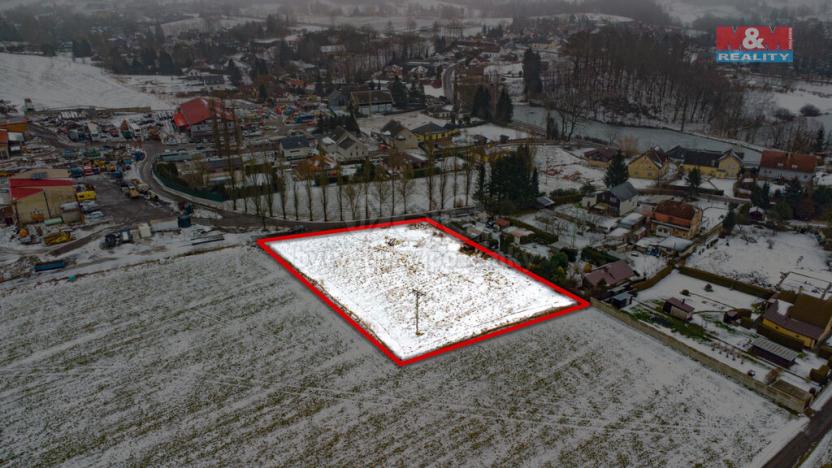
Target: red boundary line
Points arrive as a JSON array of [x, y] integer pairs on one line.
[[580, 302]]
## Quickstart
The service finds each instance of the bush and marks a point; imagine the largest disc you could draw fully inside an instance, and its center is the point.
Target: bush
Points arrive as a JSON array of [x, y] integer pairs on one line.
[[596, 257], [809, 110]]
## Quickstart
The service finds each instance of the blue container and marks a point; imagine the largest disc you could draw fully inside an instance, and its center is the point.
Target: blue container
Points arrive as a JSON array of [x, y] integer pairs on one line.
[[184, 221]]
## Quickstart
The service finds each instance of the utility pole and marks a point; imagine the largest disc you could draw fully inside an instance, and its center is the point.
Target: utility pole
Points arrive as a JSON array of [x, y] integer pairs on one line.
[[418, 295]]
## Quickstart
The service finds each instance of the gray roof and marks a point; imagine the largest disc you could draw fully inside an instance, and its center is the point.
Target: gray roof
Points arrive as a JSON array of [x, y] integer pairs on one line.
[[775, 349], [624, 192]]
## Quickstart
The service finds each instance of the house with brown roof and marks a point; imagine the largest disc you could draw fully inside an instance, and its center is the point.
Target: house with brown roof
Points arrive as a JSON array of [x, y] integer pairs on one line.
[[399, 137], [719, 164], [677, 219], [371, 102], [600, 157], [609, 276], [653, 164], [808, 320], [779, 165]]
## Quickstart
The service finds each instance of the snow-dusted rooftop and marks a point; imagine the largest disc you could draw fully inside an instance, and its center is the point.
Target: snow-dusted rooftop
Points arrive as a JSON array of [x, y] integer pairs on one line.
[[374, 275]]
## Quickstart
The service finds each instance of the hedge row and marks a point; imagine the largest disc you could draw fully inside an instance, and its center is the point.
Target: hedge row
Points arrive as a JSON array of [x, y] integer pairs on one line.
[[746, 288], [650, 282], [596, 257]]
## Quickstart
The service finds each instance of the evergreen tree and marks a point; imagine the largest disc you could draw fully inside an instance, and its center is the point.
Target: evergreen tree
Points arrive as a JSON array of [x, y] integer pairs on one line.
[[234, 73], [761, 196], [505, 109], [481, 107], [532, 70], [617, 171], [793, 192], [730, 221], [551, 128], [398, 91], [694, 180], [820, 141], [166, 65]]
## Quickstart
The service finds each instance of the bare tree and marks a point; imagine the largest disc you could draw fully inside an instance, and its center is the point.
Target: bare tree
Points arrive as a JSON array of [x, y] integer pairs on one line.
[[323, 184], [352, 192], [340, 194], [381, 189], [406, 184]]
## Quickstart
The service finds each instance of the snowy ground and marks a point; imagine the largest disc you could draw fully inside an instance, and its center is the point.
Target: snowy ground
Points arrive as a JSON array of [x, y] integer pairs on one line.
[[56, 82], [560, 169], [373, 274], [223, 358], [747, 256]]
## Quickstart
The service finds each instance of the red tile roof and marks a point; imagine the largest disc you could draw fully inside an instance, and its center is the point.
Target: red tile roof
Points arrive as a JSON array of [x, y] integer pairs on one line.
[[23, 192], [788, 161], [676, 209], [198, 110]]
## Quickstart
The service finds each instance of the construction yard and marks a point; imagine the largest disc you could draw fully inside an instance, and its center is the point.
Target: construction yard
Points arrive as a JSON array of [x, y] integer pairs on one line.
[[224, 358]]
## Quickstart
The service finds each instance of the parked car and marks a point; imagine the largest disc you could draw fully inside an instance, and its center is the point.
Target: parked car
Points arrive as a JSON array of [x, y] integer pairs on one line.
[[89, 206], [95, 215]]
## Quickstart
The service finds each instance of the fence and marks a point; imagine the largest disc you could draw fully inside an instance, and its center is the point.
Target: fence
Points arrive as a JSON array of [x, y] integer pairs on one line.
[[780, 397], [730, 283], [180, 186]]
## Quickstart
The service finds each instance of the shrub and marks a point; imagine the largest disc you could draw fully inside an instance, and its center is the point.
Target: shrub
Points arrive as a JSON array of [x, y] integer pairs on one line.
[[809, 110]]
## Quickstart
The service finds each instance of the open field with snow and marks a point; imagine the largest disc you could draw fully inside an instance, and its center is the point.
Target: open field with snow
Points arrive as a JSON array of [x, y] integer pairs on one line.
[[761, 257], [56, 82], [222, 358], [373, 274]]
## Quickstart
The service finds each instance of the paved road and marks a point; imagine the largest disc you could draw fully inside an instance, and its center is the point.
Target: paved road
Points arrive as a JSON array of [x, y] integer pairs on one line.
[[793, 452]]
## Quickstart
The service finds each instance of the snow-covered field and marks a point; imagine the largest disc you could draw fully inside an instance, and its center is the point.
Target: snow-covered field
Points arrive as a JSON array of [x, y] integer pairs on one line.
[[56, 82], [373, 274], [747, 256], [560, 169], [222, 358]]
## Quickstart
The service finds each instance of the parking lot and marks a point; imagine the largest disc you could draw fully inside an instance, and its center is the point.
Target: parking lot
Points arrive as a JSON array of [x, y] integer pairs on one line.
[[121, 209]]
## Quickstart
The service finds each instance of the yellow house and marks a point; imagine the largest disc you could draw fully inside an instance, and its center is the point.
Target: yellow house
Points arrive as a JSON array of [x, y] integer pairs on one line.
[[719, 164], [653, 164], [434, 132], [808, 321]]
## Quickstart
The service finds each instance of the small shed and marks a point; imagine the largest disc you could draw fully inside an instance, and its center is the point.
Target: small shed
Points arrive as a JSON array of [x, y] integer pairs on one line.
[[773, 352], [679, 309], [622, 300]]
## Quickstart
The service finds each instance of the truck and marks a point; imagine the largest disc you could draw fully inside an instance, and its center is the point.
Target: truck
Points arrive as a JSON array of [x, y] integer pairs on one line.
[[49, 266], [57, 238]]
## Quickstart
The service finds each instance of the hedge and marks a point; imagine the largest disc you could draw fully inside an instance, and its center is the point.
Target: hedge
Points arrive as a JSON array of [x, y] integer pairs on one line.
[[650, 282], [746, 288], [596, 257], [541, 236]]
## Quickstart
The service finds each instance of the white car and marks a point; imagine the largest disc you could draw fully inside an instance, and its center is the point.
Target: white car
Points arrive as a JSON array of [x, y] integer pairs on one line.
[[95, 215]]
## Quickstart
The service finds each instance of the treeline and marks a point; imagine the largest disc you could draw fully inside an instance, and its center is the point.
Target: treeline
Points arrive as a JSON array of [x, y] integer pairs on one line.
[[646, 11], [650, 74]]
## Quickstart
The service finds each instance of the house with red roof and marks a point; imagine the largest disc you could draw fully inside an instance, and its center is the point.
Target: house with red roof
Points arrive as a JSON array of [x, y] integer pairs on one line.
[[779, 165], [677, 219], [35, 200], [197, 116]]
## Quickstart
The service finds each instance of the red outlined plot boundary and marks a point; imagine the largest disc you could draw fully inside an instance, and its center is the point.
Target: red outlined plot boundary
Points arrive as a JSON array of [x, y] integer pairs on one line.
[[580, 303]]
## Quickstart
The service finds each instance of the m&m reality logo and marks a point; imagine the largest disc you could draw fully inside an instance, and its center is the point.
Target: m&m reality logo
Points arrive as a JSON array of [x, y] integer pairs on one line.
[[754, 44]]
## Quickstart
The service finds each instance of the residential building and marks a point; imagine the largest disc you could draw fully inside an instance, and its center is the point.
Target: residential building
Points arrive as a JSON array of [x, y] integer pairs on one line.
[[298, 147], [397, 136], [344, 146], [779, 165], [430, 132], [371, 102], [808, 320], [679, 309], [617, 201], [677, 219], [719, 164], [653, 164], [600, 157], [609, 276]]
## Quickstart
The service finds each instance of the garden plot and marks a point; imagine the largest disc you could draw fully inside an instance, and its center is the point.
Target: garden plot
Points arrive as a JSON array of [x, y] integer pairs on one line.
[[560, 169], [221, 358], [762, 257], [375, 275]]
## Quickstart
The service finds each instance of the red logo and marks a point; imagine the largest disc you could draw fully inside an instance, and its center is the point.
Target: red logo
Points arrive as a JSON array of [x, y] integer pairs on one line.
[[753, 38]]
